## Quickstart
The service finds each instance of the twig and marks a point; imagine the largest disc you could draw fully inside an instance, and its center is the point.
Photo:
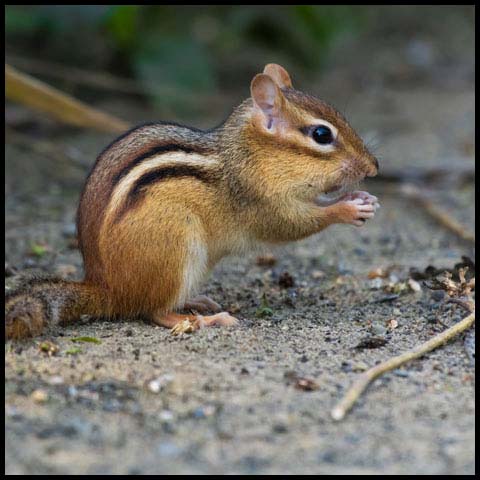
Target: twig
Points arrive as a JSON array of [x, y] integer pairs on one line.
[[438, 214], [25, 89], [339, 412]]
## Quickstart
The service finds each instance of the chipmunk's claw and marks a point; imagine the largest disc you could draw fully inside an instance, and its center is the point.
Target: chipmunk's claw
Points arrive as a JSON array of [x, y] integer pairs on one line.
[[185, 326]]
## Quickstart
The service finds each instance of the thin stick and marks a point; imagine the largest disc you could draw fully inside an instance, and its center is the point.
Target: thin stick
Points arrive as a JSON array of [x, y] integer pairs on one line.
[[25, 89], [341, 409]]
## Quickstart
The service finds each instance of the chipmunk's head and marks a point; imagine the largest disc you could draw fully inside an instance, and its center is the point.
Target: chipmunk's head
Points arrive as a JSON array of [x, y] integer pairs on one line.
[[305, 142]]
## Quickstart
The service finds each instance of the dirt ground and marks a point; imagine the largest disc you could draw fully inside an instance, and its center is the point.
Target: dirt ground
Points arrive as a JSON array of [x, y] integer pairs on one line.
[[225, 400]]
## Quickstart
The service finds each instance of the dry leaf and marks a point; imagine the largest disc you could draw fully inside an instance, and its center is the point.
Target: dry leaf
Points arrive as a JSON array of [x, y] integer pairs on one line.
[[377, 273]]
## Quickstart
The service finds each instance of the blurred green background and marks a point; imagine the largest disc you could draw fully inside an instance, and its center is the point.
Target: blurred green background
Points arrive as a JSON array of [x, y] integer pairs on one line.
[[170, 55], [182, 62]]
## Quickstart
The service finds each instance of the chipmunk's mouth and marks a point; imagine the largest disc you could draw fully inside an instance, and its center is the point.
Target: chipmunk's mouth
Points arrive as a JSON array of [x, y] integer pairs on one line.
[[334, 194]]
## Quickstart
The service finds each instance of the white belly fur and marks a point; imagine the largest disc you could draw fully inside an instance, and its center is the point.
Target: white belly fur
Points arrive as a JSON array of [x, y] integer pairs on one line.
[[195, 270]]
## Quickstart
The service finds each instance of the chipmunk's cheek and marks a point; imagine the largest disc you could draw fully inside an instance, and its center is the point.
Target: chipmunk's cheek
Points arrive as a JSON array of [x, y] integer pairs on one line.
[[354, 170], [333, 189]]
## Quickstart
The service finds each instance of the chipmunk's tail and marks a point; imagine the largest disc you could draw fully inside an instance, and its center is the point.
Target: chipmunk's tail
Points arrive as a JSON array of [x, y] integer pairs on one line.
[[39, 302]]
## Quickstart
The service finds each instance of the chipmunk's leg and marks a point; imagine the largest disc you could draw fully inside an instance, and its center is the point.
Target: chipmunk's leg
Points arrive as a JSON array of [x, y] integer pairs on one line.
[[190, 322], [202, 304]]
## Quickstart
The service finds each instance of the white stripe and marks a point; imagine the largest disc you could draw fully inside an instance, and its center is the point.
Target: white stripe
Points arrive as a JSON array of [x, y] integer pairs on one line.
[[170, 158]]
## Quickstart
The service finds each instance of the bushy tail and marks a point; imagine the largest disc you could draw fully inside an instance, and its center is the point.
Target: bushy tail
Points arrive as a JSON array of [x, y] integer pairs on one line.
[[38, 302]]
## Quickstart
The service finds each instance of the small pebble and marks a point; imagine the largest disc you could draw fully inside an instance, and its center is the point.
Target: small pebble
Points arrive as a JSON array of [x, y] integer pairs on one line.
[[346, 367], [437, 295], [73, 392], [280, 428], [393, 278], [414, 285], [159, 383], [286, 280], [376, 283], [378, 329], [166, 416], [39, 396], [204, 412], [56, 380]]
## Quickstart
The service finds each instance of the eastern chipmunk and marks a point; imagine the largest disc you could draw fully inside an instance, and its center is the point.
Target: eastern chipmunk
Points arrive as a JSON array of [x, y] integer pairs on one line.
[[164, 203]]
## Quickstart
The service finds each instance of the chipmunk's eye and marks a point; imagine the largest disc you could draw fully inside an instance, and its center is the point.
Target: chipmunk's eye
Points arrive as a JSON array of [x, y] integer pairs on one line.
[[322, 135]]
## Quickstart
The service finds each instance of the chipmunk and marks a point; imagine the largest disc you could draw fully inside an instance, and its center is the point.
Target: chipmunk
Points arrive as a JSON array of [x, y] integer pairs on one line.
[[164, 203]]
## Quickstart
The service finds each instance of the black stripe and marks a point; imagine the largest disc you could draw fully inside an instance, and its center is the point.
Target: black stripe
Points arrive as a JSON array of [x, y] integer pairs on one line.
[[158, 123], [153, 151], [171, 171], [163, 173], [124, 135]]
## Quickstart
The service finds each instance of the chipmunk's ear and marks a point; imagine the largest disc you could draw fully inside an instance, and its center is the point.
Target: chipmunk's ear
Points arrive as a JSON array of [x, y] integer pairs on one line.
[[279, 74], [268, 98]]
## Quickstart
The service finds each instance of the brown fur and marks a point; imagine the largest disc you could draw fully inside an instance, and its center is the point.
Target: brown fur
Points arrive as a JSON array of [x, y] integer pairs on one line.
[[38, 301], [171, 222], [110, 163]]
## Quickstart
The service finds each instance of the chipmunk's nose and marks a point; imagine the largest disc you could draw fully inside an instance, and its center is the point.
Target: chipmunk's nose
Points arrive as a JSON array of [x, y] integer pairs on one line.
[[373, 171]]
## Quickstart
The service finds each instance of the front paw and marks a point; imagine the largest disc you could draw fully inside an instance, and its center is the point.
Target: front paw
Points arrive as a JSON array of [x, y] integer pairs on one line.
[[365, 196], [357, 210]]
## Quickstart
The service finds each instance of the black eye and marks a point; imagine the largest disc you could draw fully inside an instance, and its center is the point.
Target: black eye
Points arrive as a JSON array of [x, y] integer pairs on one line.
[[322, 135]]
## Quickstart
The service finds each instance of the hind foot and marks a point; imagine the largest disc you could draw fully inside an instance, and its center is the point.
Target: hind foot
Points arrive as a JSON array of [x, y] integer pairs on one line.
[[188, 323]]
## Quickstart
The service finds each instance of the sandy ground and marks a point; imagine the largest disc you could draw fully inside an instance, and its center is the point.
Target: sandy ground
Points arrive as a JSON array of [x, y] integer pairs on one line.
[[225, 400]]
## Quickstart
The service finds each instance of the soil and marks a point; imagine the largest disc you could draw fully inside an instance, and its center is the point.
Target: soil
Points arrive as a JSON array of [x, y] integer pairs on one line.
[[231, 400]]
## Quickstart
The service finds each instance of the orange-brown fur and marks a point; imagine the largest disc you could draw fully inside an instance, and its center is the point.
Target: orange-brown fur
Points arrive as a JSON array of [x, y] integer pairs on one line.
[[151, 230]]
